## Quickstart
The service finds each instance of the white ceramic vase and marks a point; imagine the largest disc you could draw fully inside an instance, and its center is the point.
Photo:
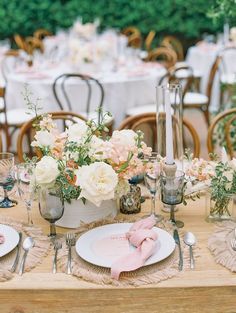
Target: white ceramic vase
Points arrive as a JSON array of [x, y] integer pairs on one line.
[[76, 212]]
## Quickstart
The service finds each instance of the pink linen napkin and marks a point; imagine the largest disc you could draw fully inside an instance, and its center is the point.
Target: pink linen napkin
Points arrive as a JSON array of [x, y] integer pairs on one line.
[[143, 237]]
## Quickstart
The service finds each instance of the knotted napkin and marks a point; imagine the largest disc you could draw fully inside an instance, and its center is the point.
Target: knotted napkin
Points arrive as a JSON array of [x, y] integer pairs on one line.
[[143, 237]]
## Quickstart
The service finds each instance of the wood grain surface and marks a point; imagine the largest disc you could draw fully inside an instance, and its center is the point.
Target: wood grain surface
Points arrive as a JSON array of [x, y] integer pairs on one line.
[[209, 288]]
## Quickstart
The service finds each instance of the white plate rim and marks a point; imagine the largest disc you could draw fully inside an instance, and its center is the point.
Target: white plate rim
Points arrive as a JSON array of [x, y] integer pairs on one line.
[[87, 237], [5, 229]]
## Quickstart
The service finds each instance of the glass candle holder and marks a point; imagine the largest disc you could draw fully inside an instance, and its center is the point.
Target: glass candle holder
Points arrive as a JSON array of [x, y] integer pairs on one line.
[[175, 94]]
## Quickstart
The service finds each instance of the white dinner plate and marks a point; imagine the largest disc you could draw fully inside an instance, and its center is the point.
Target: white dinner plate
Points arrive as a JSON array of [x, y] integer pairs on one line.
[[105, 244], [11, 239]]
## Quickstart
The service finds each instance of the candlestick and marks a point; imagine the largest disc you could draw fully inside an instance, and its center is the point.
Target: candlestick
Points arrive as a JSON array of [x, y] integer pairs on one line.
[[169, 130]]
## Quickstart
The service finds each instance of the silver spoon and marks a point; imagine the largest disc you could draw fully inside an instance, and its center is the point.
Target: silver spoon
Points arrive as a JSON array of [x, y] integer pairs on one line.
[[27, 245], [190, 241]]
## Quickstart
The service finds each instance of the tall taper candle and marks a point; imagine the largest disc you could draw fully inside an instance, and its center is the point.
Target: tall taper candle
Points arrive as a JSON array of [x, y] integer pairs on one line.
[[169, 130]]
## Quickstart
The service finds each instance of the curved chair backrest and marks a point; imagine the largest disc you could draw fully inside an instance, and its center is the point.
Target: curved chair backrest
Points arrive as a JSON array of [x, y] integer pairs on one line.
[[131, 30], [175, 44], [27, 131], [33, 44], [20, 42], [223, 122], [146, 122], [166, 56], [61, 92], [149, 39], [182, 75], [42, 33]]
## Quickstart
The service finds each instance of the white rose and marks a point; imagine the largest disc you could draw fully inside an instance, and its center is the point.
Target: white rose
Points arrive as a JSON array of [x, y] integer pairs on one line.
[[43, 138], [97, 146], [77, 132], [97, 181], [46, 170], [125, 137]]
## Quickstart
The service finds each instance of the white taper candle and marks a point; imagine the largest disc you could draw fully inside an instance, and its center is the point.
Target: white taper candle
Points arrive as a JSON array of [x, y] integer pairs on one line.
[[169, 130]]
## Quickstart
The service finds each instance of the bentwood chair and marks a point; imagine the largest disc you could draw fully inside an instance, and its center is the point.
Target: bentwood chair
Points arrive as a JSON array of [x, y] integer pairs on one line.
[[41, 33], [32, 44], [222, 133], [181, 75], [20, 42], [86, 90], [175, 44], [27, 132], [10, 119], [146, 122], [164, 55], [134, 36], [149, 40]]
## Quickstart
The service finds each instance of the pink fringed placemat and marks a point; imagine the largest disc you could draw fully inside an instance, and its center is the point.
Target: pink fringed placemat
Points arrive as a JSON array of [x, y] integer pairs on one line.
[[35, 255], [146, 275], [219, 244]]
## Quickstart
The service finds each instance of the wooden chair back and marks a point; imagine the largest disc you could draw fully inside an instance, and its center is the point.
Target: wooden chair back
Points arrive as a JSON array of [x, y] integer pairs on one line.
[[182, 75], [149, 39], [20, 42], [146, 122], [27, 131], [175, 44], [222, 123], [61, 91], [135, 41], [42, 33], [33, 44], [131, 30], [164, 55]]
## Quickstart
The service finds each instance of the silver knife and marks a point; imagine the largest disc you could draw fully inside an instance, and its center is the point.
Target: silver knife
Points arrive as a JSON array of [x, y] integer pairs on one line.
[[177, 241], [14, 266]]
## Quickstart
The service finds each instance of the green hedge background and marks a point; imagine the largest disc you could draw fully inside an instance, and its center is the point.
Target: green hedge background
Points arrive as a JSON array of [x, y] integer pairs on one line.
[[184, 18]]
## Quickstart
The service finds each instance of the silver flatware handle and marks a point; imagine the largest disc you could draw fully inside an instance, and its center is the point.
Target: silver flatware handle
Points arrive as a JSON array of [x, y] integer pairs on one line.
[[192, 262], [68, 270], [54, 266], [22, 265], [180, 258], [14, 266]]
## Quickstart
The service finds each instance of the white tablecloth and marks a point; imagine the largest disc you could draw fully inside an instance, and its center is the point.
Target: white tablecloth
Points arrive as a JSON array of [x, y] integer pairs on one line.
[[124, 89], [201, 59]]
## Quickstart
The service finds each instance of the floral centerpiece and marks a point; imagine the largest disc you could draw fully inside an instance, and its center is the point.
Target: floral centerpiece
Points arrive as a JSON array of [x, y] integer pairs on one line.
[[84, 165], [219, 177]]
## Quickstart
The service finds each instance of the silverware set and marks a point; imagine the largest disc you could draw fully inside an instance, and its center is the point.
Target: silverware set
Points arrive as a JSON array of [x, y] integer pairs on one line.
[[189, 240], [28, 243]]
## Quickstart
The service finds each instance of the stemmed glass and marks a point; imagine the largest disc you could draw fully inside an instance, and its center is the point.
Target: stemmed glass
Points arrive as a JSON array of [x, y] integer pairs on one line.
[[7, 178], [51, 207], [25, 184], [151, 179], [172, 192]]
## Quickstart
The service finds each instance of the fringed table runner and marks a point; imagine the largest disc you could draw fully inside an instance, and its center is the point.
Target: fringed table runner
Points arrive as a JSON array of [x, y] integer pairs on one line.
[[219, 244], [146, 275], [35, 255]]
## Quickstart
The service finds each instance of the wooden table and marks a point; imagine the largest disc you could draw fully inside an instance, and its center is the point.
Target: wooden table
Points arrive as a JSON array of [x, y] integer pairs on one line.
[[208, 288]]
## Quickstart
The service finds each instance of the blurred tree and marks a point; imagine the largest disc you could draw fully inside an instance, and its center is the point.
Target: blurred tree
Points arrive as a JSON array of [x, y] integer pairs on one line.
[[224, 11], [180, 17]]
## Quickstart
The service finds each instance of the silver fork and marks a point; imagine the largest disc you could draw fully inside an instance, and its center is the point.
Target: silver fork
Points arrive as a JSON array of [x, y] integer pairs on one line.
[[233, 241], [57, 246], [70, 242]]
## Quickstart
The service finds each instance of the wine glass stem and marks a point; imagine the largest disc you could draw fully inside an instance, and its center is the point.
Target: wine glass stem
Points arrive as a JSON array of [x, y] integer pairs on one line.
[[153, 208], [172, 213], [5, 193], [52, 230], [29, 214]]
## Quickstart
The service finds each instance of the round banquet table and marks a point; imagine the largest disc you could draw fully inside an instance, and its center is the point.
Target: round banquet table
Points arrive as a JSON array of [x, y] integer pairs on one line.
[[201, 58], [125, 88]]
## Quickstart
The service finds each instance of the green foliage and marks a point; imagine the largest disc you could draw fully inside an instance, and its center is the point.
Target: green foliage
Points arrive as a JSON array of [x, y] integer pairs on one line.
[[179, 17], [224, 11]]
